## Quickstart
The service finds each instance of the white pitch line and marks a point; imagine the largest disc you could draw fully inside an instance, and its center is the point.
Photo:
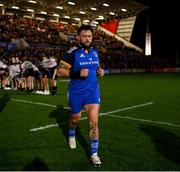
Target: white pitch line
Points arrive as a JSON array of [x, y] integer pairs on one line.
[[32, 102], [146, 120], [37, 103], [127, 108], [44, 127], [101, 114], [64, 80]]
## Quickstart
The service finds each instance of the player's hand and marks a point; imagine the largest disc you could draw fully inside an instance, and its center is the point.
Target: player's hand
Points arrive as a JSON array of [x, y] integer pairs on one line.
[[62, 72], [100, 72], [84, 72]]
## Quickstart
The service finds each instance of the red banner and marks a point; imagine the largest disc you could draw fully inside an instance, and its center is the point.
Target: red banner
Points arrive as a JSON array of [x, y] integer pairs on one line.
[[111, 25]]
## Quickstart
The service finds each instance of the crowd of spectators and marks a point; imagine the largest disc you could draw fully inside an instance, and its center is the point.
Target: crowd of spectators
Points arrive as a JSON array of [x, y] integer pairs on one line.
[[29, 37]]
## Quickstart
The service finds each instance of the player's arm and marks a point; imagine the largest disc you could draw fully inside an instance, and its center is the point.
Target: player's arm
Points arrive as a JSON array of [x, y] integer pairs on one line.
[[100, 72], [63, 69]]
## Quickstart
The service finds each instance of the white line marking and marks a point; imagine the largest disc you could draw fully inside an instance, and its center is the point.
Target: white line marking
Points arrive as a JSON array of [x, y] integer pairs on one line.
[[64, 80], [127, 108], [145, 120], [37, 103], [44, 127], [101, 114]]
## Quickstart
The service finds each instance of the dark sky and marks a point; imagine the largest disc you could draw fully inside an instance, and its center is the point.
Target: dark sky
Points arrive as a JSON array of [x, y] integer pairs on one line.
[[163, 26]]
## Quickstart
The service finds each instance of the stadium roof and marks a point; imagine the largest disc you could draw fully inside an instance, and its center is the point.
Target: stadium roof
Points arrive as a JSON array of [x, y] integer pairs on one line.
[[74, 10]]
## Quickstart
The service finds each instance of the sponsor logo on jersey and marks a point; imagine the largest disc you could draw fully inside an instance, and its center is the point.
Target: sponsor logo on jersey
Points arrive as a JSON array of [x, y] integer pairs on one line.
[[89, 63]]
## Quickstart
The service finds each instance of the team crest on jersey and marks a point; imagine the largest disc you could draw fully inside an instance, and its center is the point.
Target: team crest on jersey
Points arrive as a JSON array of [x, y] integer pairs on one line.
[[81, 55]]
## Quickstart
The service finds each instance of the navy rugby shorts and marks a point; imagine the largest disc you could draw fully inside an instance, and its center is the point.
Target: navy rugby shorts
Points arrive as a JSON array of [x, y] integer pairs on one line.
[[77, 101]]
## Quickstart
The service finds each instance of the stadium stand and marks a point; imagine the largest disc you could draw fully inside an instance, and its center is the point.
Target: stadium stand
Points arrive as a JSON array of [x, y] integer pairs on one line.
[[34, 38]]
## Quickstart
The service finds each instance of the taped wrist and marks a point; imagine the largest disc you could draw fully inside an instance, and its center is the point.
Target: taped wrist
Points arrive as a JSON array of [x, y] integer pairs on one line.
[[76, 75]]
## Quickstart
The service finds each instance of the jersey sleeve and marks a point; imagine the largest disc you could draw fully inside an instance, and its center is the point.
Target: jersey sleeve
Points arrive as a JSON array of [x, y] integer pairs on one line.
[[68, 58]]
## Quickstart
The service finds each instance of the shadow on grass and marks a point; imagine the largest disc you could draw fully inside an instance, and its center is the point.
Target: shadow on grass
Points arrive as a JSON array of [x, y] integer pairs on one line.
[[36, 165], [165, 142], [62, 115], [3, 101]]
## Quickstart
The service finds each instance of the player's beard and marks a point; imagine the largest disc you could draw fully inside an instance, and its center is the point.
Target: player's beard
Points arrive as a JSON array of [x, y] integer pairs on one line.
[[86, 46]]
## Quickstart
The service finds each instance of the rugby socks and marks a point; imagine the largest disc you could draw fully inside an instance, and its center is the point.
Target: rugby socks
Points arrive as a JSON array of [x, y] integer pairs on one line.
[[94, 146], [71, 132], [54, 90]]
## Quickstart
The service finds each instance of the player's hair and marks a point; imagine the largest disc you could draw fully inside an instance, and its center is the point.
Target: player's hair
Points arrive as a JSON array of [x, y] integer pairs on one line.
[[84, 27]]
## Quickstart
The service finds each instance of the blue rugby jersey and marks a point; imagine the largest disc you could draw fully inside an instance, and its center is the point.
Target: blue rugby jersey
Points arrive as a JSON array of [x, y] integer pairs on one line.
[[79, 59]]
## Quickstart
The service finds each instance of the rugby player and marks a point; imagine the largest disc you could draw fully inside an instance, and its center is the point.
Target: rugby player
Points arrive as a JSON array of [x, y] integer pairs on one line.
[[81, 64]]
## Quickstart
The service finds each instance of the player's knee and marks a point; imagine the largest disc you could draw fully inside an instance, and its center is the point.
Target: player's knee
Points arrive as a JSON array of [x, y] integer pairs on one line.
[[94, 130], [75, 118]]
